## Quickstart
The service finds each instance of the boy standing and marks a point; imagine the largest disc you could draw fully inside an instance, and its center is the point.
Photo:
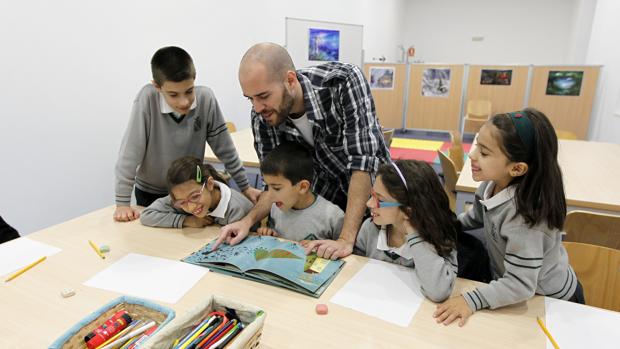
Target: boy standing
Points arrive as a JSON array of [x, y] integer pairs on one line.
[[296, 212], [170, 118]]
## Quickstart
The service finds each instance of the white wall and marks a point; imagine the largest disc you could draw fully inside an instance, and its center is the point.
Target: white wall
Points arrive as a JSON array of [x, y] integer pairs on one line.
[[583, 15], [525, 31], [70, 70], [604, 49]]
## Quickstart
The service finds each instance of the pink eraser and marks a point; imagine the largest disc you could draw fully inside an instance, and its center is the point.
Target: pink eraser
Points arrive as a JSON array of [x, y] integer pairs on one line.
[[321, 309]]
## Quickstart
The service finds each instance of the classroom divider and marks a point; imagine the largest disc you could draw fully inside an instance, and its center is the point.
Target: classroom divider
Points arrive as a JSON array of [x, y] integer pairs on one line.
[[434, 96], [388, 91], [566, 95]]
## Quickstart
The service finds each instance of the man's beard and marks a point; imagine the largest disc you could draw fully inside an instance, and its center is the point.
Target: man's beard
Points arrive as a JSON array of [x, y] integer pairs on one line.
[[285, 106]]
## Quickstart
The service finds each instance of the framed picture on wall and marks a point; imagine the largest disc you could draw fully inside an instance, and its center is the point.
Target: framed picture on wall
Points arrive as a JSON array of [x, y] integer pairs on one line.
[[495, 77], [382, 78], [564, 83], [436, 82], [323, 44]]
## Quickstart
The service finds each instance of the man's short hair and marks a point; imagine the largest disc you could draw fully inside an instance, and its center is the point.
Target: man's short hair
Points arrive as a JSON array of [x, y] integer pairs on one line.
[[172, 64], [290, 160]]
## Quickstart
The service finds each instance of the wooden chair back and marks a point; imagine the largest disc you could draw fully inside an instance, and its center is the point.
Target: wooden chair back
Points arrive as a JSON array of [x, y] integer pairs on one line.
[[478, 109], [478, 112], [565, 134], [456, 152], [593, 228], [387, 136], [449, 177], [598, 270]]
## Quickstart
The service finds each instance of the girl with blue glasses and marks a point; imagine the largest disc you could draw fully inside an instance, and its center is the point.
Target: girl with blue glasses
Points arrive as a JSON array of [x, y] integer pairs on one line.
[[412, 225]]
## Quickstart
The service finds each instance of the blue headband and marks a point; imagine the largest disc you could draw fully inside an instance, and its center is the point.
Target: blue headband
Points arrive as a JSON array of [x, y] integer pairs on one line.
[[525, 130]]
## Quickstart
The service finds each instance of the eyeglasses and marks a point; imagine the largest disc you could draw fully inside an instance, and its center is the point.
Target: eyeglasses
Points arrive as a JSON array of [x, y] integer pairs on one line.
[[382, 204], [193, 198]]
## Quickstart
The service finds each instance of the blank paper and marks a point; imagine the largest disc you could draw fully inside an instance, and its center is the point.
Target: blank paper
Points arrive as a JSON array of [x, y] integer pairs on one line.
[[18, 253], [575, 325], [387, 291], [148, 277]]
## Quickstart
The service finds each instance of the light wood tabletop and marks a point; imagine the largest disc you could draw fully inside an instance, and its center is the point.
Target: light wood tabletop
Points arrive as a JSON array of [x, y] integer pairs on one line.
[[34, 314], [590, 170], [244, 142]]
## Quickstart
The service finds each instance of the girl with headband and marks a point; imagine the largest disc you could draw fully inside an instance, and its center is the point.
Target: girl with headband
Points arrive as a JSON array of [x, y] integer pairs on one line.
[[521, 207], [412, 225]]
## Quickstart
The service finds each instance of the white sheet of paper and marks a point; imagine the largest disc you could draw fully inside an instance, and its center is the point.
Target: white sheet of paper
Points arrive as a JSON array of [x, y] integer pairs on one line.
[[578, 326], [384, 290], [18, 253], [148, 277]]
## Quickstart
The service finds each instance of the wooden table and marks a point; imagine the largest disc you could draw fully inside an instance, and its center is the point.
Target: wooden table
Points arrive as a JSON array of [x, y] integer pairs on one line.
[[591, 172], [244, 143], [34, 314]]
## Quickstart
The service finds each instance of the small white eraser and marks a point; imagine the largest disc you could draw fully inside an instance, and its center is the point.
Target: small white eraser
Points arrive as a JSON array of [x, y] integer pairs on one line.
[[104, 248], [67, 292]]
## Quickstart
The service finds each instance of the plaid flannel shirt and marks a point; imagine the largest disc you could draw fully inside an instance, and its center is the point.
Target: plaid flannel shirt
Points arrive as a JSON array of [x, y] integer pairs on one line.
[[346, 133]]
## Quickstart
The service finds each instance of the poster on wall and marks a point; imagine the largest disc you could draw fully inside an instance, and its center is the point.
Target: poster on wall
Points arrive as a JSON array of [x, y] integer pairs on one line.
[[323, 44], [436, 82], [382, 78], [564, 83], [495, 77]]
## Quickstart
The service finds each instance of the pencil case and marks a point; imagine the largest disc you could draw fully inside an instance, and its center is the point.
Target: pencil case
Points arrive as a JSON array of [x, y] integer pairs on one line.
[[138, 309], [252, 317]]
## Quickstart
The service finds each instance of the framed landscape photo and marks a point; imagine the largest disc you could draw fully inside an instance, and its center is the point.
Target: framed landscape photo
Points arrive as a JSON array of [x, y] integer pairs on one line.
[[564, 83], [323, 44], [382, 78], [436, 82], [495, 77]]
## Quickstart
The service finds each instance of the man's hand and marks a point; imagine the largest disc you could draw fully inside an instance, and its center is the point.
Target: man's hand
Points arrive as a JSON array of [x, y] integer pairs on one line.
[[264, 231], [232, 233], [452, 309], [329, 249], [197, 222], [252, 194], [125, 214]]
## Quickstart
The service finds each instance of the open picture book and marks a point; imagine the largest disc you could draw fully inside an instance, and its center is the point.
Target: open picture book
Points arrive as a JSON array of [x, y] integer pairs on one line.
[[271, 261]]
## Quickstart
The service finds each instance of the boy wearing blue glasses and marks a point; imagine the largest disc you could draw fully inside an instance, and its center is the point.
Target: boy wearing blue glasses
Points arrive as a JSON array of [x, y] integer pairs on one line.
[[412, 225], [296, 212], [198, 197]]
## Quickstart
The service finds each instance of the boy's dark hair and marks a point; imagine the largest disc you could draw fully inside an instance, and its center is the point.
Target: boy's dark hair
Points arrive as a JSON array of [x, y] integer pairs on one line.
[[424, 201], [290, 160], [185, 169], [172, 64], [539, 194]]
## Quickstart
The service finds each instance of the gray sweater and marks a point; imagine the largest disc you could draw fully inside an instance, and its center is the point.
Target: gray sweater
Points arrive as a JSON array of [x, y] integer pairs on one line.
[[161, 213], [322, 219], [153, 140], [524, 261], [436, 274]]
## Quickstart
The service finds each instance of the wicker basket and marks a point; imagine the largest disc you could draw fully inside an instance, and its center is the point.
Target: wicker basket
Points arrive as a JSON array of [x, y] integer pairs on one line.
[[252, 317], [138, 309]]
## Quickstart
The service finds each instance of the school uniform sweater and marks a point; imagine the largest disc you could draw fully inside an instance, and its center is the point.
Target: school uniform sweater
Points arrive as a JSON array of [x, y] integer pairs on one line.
[[436, 274], [322, 219], [232, 207], [155, 138], [524, 261]]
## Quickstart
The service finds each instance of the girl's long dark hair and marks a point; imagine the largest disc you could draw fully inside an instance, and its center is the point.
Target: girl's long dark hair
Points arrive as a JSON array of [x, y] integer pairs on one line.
[[424, 202], [184, 169], [539, 194]]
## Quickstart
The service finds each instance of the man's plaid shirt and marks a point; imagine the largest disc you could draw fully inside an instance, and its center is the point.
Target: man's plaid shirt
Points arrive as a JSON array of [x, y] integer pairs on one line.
[[347, 135]]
